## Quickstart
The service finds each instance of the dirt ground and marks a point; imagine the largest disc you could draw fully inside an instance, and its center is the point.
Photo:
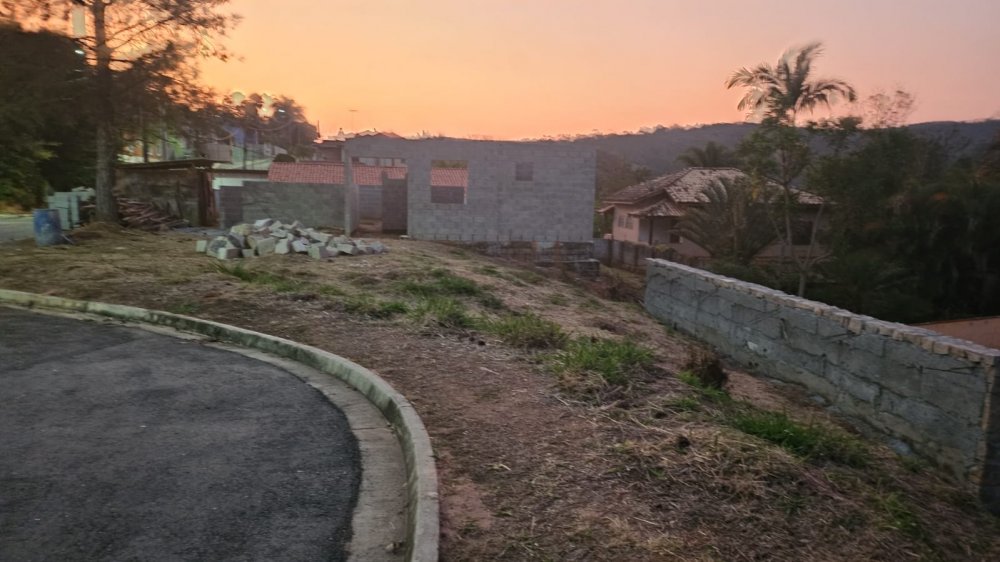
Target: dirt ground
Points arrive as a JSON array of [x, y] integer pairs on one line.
[[530, 466]]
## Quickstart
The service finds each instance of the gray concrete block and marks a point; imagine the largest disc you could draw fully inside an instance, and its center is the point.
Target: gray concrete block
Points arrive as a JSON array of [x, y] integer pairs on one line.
[[247, 253], [216, 244], [266, 246], [300, 246], [201, 246], [349, 249], [283, 246], [227, 253], [319, 251]]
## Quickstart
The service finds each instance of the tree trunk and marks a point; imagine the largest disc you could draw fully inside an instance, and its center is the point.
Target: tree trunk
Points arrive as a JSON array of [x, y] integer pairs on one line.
[[107, 208]]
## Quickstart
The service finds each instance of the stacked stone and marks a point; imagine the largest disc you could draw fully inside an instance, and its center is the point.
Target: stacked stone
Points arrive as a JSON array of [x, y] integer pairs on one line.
[[268, 236]]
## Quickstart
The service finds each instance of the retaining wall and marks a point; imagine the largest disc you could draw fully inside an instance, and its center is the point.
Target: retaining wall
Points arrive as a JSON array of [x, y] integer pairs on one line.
[[936, 394]]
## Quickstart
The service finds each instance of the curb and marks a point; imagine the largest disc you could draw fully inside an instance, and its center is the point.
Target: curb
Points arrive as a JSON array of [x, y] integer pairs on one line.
[[421, 483]]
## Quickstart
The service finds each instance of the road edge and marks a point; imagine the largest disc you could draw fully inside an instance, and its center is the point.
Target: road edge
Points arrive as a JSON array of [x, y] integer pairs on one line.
[[423, 524]]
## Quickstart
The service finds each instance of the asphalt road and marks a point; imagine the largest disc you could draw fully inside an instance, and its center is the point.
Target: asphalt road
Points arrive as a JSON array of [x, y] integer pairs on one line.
[[120, 444], [15, 228]]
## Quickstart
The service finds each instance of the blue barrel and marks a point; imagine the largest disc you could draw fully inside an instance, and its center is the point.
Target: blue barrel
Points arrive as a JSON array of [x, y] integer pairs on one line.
[[48, 230]]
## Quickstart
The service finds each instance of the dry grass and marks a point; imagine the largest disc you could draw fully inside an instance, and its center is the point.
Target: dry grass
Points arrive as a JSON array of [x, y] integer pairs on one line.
[[643, 466]]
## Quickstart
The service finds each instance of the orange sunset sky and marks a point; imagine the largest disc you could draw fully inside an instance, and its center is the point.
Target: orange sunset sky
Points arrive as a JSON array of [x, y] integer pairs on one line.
[[517, 68]]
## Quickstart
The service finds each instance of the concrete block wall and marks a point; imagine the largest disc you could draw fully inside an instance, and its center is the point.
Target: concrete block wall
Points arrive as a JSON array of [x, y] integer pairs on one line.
[[370, 201], [938, 395], [557, 204], [315, 205]]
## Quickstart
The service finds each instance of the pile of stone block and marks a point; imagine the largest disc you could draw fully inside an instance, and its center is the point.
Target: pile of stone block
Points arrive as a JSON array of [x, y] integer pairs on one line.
[[268, 236]]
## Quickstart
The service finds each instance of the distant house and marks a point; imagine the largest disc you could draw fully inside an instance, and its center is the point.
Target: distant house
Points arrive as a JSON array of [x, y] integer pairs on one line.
[[650, 212]]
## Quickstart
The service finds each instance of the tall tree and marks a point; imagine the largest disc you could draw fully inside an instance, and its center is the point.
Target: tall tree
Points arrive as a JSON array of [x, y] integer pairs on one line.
[[115, 35], [782, 91], [44, 133], [777, 152]]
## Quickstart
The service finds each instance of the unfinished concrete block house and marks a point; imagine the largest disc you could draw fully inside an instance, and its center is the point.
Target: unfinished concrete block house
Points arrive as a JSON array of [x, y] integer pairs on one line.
[[481, 191]]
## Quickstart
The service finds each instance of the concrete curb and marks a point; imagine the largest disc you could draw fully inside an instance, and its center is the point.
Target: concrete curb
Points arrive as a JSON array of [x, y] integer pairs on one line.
[[422, 489]]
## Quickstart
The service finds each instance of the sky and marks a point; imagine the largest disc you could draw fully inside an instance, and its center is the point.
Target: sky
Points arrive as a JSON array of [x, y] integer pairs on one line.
[[511, 69]]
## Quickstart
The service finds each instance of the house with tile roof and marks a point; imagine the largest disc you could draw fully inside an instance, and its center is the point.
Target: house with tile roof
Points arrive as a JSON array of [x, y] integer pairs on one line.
[[650, 212]]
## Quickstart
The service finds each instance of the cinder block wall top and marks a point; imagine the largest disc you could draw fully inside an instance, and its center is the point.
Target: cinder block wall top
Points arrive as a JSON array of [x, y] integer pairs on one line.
[[937, 394], [517, 191]]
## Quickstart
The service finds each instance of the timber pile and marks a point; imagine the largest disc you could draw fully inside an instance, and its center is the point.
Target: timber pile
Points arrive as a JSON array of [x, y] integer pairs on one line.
[[147, 216]]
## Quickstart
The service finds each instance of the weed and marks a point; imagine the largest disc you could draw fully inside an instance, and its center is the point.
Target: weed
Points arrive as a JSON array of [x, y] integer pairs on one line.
[[707, 368], [526, 331], [714, 394], [330, 291], [685, 404], [491, 301], [489, 270], [808, 441], [373, 308], [616, 362], [899, 516], [441, 283], [445, 312], [186, 308], [276, 282]]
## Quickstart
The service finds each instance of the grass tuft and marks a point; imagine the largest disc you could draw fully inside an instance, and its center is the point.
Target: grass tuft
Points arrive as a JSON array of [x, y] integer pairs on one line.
[[526, 331], [445, 312], [373, 308], [616, 362], [276, 282], [442, 283], [812, 442]]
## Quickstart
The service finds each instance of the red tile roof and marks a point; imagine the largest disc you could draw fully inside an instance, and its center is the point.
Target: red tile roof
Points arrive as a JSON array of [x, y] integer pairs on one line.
[[450, 177], [333, 173]]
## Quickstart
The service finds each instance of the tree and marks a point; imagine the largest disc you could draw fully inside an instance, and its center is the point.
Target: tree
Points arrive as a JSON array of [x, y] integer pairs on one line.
[[777, 152], [117, 35], [714, 155], [732, 226], [45, 138], [782, 91]]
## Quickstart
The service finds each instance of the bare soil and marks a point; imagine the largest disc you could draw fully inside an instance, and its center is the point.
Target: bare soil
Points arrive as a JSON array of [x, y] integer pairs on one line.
[[530, 468]]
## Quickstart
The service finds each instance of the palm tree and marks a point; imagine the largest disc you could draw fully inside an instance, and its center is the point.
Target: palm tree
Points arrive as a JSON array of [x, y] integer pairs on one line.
[[714, 155], [732, 226], [781, 91]]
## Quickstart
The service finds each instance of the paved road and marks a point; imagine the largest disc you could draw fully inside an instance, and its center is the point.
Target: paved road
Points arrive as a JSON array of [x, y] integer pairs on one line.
[[15, 228], [121, 444]]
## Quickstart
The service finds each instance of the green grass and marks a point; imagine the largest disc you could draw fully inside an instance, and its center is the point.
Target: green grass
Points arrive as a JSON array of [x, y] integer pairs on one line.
[[441, 283], [616, 362], [692, 380], [526, 331], [445, 312], [814, 442], [899, 516], [491, 301], [374, 308], [276, 282]]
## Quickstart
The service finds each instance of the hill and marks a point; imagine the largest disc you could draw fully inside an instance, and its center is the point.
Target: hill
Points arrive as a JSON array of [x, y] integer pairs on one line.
[[658, 150]]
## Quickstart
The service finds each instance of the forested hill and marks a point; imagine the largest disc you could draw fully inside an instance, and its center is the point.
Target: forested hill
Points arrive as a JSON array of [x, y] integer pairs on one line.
[[658, 150]]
